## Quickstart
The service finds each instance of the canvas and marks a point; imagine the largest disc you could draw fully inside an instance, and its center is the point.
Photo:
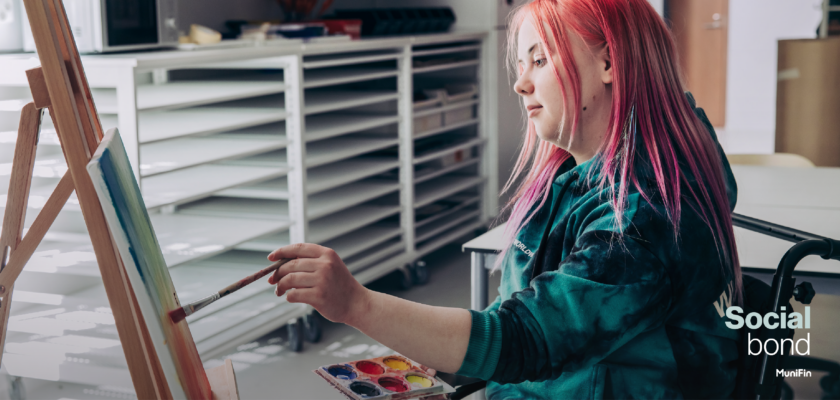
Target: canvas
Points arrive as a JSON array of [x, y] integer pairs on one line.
[[140, 252]]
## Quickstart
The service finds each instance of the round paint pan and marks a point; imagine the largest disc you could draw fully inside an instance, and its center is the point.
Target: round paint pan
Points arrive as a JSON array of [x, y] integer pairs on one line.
[[365, 389], [393, 384], [370, 367], [419, 380], [341, 371], [397, 363]]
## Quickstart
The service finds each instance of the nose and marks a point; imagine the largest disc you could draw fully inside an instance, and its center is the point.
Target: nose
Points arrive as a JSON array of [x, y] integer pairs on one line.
[[523, 85]]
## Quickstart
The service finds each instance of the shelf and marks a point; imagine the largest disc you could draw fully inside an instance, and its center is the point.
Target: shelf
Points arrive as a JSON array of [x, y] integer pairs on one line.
[[314, 62], [445, 50], [425, 176], [171, 155], [331, 125], [321, 77], [346, 221], [373, 255], [346, 196], [325, 152], [360, 240], [182, 94], [445, 213], [266, 243], [453, 147], [433, 68], [336, 174], [447, 107], [443, 240], [446, 128], [431, 191], [162, 125], [274, 189], [430, 230], [272, 159], [244, 321], [185, 238], [330, 100], [201, 181], [247, 209], [318, 180]]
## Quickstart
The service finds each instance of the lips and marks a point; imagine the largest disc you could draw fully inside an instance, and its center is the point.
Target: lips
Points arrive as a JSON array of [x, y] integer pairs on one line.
[[532, 110]]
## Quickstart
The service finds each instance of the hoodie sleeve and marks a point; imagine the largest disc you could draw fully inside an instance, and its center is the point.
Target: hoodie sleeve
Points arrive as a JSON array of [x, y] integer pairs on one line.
[[599, 298]]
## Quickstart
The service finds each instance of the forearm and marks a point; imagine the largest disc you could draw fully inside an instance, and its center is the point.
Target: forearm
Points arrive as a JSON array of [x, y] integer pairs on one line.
[[436, 337]]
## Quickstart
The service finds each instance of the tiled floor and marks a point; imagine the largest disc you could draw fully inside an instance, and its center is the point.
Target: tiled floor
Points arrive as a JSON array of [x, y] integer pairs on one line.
[[266, 369]]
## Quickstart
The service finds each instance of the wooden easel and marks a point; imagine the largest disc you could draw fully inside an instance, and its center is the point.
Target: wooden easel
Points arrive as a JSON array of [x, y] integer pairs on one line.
[[60, 86]]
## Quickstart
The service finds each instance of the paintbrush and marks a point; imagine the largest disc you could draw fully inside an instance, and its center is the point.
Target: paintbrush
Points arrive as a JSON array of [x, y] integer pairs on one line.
[[181, 313]]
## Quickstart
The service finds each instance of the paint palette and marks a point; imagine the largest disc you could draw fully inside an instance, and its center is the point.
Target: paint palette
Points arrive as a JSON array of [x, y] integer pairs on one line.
[[390, 377]]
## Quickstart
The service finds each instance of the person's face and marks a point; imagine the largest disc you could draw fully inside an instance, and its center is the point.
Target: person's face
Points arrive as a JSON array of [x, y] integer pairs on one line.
[[543, 99]]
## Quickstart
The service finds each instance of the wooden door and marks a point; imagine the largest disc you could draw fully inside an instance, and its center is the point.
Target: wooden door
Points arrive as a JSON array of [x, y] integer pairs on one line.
[[700, 29]]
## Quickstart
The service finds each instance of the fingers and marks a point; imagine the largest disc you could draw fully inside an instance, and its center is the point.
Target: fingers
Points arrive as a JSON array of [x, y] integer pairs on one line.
[[307, 295], [297, 265], [297, 250], [296, 280]]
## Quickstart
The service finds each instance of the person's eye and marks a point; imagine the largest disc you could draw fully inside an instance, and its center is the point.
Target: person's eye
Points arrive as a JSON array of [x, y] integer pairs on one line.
[[540, 62]]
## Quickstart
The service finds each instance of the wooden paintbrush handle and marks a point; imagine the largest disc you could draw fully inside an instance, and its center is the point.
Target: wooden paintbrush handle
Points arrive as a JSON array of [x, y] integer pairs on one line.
[[245, 282]]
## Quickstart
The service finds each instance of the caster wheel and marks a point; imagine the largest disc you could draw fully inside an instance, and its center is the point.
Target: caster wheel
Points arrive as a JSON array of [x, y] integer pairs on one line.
[[420, 273], [404, 279], [295, 330], [16, 389], [312, 327], [830, 384]]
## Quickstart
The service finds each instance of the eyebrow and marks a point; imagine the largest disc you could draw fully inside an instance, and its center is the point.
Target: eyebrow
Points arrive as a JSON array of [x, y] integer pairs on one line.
[[531, 50]]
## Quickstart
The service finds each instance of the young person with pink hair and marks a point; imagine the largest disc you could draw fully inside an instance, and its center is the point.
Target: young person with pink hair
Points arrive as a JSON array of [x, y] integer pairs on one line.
[[620, 238]]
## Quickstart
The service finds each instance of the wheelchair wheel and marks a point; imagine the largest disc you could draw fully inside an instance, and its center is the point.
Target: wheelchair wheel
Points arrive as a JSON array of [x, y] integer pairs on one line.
[[830, 384]]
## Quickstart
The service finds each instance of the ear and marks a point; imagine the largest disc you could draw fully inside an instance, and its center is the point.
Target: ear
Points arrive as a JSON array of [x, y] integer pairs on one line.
[[605, 62]]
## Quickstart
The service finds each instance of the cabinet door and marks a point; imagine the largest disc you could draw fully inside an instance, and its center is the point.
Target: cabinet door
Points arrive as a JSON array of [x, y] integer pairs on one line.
[[700, 29]]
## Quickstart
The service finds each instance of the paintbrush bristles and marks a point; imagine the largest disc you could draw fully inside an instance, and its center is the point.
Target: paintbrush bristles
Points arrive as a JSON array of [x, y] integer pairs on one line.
[[179, 314]]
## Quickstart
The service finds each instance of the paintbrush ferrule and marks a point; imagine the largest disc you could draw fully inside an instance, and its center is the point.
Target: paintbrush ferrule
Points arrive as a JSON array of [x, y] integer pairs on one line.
[[198, 305]]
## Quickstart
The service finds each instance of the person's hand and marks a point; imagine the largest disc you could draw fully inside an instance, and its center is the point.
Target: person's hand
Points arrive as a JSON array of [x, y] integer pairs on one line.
[[317, 276]]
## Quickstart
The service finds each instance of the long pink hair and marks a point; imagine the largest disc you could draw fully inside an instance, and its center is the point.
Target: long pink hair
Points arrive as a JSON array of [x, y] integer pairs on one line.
[[648, 104]]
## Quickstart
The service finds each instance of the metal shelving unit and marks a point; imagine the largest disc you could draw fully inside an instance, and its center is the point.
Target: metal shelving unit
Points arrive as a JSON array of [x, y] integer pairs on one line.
[[288, 143]]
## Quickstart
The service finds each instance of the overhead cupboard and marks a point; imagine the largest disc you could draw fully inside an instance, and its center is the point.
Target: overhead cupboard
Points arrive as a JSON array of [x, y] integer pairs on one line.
[[377, 148]]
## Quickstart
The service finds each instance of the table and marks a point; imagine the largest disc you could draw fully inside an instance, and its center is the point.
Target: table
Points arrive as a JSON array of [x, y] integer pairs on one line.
[[807, 199]]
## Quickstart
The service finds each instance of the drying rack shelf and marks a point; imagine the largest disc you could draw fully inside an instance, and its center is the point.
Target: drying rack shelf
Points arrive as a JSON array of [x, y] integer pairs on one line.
[[363, 239], [322, 77], [162, 125], [185, 238], [313, 62], [446, 128], [160, 157], [431, 191], [446, 50], [453, 147], [325, 152], [205, 180], [465, 229], [446, 213], [445, 108], [340, 198], [439, 226], [326, 126], [442, 67], [175, 94], [427, 174], [321, 101]]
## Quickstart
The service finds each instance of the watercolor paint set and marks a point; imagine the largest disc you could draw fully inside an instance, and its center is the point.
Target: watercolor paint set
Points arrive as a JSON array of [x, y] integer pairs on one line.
[[391, 377]]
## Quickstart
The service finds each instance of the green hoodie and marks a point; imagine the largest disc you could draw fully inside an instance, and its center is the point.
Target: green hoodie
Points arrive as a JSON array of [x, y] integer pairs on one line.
[[612, 311]]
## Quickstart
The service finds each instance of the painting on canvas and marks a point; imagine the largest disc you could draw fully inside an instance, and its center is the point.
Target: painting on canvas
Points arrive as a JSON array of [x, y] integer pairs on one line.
[[140, 252]]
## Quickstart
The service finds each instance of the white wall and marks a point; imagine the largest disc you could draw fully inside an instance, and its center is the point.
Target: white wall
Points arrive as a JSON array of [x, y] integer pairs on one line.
[[755, 26]]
